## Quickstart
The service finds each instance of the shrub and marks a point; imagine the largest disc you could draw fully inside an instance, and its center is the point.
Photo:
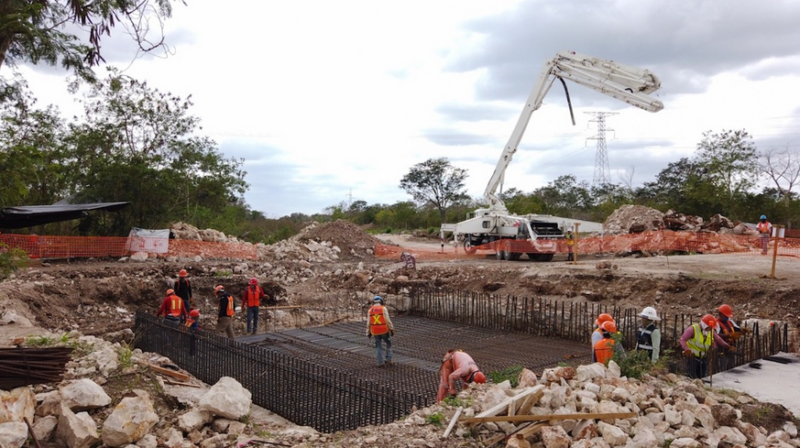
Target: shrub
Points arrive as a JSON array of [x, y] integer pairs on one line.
[[11, 260], [511, 374]]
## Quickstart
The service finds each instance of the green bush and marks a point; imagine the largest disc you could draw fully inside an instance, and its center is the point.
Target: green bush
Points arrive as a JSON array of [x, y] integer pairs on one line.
[[511, 374], [11, 260], [436, 419]]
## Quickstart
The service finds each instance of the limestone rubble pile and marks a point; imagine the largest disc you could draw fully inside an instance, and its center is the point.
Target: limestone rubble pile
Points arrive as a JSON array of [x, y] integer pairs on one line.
[[638, 219], [151, 412], [184, 231]]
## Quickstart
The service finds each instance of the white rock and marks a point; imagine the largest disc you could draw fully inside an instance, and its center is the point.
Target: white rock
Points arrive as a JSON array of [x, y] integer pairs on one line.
[[227, 399], [130, 420], [790, 429], [51, 403], [730, 435], [148, 441], [621, 395], [76, 430], [645, 437], [555, 437], [10, 317], [195, 419], [107, 359], [44, 427], [17, 404], [218, 441], [13, 434], [613, 370], [84, 394], [139, 256], [611, 434], [684, 442], [672, 416], [172, 438], [754, 436], [584, 429], [236, 428], [589, 371], [703, 414], [592, 387]]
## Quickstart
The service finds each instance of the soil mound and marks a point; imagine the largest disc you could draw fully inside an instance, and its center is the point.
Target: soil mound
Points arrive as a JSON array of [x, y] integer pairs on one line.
[[348, 237]]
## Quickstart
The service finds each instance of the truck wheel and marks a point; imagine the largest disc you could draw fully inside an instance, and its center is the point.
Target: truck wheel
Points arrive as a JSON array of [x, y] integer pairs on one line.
[[507, 254], [500, 254], [469, 248]]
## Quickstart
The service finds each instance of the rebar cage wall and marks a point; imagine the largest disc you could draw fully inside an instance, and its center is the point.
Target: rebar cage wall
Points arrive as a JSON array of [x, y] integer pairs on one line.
[[574, 321], [298, 390]]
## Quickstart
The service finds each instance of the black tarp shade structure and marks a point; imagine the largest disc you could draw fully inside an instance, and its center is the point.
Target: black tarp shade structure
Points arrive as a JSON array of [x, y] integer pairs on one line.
[[34, 215]]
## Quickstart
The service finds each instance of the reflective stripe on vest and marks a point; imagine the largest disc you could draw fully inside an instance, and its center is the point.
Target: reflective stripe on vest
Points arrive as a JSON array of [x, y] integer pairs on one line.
[[190, 322], [763, 227], [645, 340], [377, 323], [230, 311], [175, 303], [700, 344], [604, 350]]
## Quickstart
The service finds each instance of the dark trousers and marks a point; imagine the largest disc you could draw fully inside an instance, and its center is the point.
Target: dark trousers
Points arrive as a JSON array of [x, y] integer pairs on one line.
[[252, 317], [696, 367]]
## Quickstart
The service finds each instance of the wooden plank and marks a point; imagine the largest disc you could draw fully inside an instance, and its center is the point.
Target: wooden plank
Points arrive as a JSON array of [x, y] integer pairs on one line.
[[169, 372], [548, 417], [453, 422], [503, 407], [529, 402], [175, 383]]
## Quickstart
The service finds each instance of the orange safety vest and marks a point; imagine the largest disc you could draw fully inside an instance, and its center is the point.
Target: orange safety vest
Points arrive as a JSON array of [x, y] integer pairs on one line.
[[604, 350], [175, 304], [763, 227], [253, 295], [230, 309], [190, 322], [377, 323]]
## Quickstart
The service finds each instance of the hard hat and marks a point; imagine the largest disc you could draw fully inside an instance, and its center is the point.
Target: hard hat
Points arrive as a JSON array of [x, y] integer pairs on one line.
[[378, 299], [182, 273], [604, 317], [253, 281], [725, 310], [479, 377], [650, 313], [610, 326], [708, 321], [219, 288], [194, 313], [170, 291], [763, 217]]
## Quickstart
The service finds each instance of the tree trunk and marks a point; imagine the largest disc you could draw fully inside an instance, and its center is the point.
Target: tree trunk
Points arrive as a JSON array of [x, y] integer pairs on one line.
[[5, 44]]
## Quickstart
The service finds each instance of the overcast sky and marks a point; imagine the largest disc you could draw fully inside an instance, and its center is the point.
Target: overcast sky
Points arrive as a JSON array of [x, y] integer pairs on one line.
[[332, 102]]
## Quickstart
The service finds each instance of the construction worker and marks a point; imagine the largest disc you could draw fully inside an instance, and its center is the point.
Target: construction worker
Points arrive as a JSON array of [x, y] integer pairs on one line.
[[605, 347], [597, 334], [730, 332], [184, 289], [764, 229], [570, 245], [192, 322], [648, 337], [380, 326], [226, 311], [409, 260], [457, 365], [696, 341], [251, 300], [172, 307]]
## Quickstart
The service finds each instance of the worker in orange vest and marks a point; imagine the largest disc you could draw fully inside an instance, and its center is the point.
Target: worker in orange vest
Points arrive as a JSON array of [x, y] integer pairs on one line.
[[251, 300], [457, 365], [226, 311], [172, 307], [605, 348], [379, 325], [730, 332], [597, 334], [764, 229], [184, 289], [192, 322]]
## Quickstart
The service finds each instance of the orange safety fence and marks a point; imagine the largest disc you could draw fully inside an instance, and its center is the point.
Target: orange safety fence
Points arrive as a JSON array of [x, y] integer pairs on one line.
[[654, 242], [42, 246]]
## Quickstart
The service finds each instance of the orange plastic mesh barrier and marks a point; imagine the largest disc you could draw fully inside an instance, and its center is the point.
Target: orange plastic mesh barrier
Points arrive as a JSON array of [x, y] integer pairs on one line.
[[656, 241], [38, 246]]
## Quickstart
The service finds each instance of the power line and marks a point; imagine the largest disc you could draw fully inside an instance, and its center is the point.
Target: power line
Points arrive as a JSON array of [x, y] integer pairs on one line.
[[602, 172]]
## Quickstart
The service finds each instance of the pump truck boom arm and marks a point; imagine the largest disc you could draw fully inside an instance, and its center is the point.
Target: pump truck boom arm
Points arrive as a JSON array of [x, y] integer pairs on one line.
[[625, 83]]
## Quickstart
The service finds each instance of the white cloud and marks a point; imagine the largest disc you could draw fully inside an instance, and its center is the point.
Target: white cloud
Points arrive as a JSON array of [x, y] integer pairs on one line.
[[327, 99]]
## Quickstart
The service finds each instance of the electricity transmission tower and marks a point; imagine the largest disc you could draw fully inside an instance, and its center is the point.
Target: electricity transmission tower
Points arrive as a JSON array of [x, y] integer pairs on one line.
[[602, 173]]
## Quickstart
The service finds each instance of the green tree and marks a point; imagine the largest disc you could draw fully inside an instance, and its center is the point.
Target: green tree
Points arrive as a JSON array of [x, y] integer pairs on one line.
[[46, 30], [520, 203], [437, 182], [782, 167], [730, 165], [565, 196]]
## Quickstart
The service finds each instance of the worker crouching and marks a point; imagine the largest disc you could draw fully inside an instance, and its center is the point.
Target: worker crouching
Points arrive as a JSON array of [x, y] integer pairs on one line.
[[457, 365]]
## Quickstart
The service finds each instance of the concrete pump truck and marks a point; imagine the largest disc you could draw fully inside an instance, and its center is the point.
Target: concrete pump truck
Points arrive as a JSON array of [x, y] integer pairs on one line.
[[510, 236]]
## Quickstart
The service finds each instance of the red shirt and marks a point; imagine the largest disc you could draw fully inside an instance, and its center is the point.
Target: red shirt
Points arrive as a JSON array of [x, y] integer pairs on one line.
[[173, 306]]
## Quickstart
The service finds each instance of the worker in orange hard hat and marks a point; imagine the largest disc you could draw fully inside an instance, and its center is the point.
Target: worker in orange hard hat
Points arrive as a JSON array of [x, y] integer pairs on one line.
[[172, 307], [193, 321], [184, 289], [605, 347], [696, 342], [251, 300], [597, 334], [457, 365], [730, 332], [225, 312]]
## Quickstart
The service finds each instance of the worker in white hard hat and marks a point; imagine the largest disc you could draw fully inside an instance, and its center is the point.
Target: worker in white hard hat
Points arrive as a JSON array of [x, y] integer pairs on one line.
[[648, 337]]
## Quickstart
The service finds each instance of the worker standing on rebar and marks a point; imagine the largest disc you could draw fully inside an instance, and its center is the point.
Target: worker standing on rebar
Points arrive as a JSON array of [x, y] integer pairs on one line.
[[648, 338], [730, 332], [379, 326], [457, 365], [597, 334], [251, 300], [172, 308], [764, 229], [183, 289], [226, 312], [696, 341]]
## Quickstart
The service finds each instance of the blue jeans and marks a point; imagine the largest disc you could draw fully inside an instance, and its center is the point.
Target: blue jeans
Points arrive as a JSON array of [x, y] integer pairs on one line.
[[379, 346], [252, 316]]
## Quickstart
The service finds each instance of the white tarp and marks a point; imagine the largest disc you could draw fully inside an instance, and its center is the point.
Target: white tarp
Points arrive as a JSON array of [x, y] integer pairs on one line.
[[148, 240]]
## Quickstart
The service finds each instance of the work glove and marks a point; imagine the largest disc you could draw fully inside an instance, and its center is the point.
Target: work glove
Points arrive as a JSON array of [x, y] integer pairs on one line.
[[687, 353], [392, 332], [369, 335]]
